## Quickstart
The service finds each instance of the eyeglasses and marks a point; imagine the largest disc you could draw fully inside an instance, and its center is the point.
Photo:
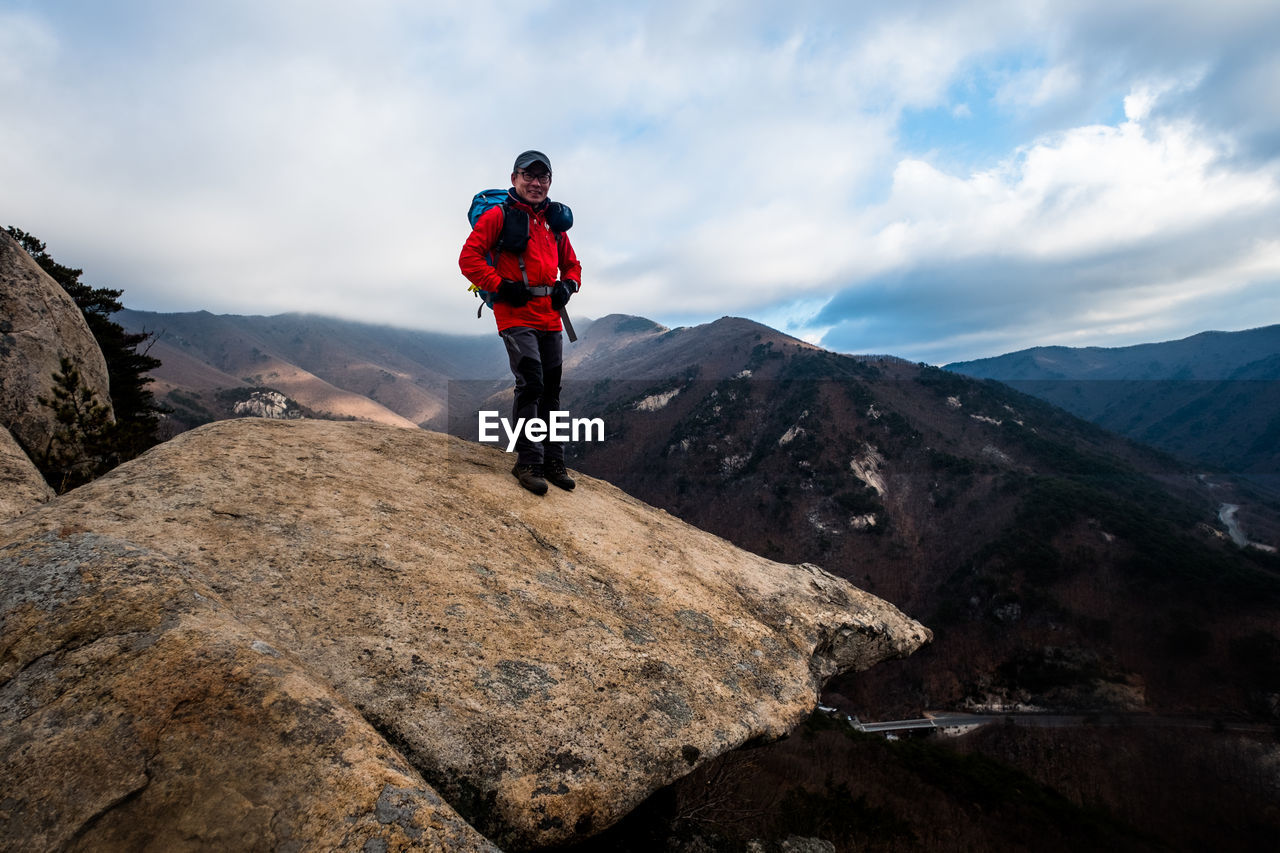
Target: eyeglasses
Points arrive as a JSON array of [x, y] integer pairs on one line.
[[541, 178]]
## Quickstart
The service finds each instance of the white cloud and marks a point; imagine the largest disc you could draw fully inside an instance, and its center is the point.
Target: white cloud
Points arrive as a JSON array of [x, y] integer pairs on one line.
[[721, 158], [1037, 87], [1099, 234], [1088, 190], [1137, 105]]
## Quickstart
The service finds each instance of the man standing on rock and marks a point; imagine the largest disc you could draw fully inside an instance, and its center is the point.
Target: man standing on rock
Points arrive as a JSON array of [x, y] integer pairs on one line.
[[533, 273]]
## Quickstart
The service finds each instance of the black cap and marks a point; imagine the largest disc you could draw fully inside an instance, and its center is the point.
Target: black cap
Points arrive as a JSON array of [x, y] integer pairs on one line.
[[528, 158]]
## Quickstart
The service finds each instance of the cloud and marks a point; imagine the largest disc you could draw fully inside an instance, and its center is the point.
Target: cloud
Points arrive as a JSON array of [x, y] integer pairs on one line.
[[987, 305], [25, 42], [1145, 281], [1101, 235], [1086, 190], [1036, 87], [826, 167]]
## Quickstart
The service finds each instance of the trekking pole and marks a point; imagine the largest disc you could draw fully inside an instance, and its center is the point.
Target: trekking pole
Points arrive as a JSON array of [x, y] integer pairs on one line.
[[568, 326]]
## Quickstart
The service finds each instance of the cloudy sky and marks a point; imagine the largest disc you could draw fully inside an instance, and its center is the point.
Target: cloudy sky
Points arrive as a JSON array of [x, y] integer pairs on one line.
[[934, 180]]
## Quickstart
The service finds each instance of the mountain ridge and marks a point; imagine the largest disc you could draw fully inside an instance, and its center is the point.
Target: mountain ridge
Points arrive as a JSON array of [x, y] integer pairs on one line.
[[339, 368], [1204, 355], [1212, 398]]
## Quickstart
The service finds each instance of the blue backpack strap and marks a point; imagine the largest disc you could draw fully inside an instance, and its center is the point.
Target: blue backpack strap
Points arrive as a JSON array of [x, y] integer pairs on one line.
[[481, 202]]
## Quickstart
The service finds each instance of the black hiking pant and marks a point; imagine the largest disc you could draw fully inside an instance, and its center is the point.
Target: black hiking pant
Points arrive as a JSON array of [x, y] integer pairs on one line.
[[536, 361]]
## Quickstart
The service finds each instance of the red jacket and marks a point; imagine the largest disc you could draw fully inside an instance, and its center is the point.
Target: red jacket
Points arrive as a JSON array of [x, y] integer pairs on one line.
[[545, 261]]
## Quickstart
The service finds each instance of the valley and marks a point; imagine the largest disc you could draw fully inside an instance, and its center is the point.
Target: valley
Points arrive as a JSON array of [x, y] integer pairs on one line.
[[1212, 399]]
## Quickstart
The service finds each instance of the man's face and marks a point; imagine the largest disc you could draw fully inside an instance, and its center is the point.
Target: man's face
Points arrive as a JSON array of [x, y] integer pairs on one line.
[[532, 183]]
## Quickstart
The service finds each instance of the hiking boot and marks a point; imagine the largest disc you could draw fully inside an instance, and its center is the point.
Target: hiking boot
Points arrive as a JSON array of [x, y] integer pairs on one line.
[[530, 476], [554, 471]]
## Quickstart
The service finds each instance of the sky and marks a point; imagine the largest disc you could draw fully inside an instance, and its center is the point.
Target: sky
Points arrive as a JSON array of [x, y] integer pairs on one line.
[[938, 181]]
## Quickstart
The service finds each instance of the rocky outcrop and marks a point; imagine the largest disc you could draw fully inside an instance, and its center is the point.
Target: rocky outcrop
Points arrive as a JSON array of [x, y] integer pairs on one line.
[[21, 486], [289, 634], [39, 326], [267, 404]]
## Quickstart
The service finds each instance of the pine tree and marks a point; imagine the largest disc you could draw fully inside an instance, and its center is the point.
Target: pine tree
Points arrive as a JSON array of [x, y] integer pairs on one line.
[[136, 411], [81, 446]]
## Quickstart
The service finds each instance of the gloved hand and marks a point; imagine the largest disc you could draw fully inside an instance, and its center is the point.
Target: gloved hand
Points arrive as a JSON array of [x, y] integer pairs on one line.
[[561, 292], [514, 293]]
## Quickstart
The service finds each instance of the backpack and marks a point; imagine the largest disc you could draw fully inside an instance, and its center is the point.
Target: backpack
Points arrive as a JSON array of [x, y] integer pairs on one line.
[[514, 236]]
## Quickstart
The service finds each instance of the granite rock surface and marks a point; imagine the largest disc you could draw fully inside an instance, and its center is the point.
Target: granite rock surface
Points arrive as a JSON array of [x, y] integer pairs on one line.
[[21, 486], [39, 326], [273, 633]]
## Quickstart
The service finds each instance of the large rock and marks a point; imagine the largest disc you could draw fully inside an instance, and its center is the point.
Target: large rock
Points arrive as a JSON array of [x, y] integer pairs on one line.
[[139, 713], [39, 325], [21, 486], [214, 630]]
